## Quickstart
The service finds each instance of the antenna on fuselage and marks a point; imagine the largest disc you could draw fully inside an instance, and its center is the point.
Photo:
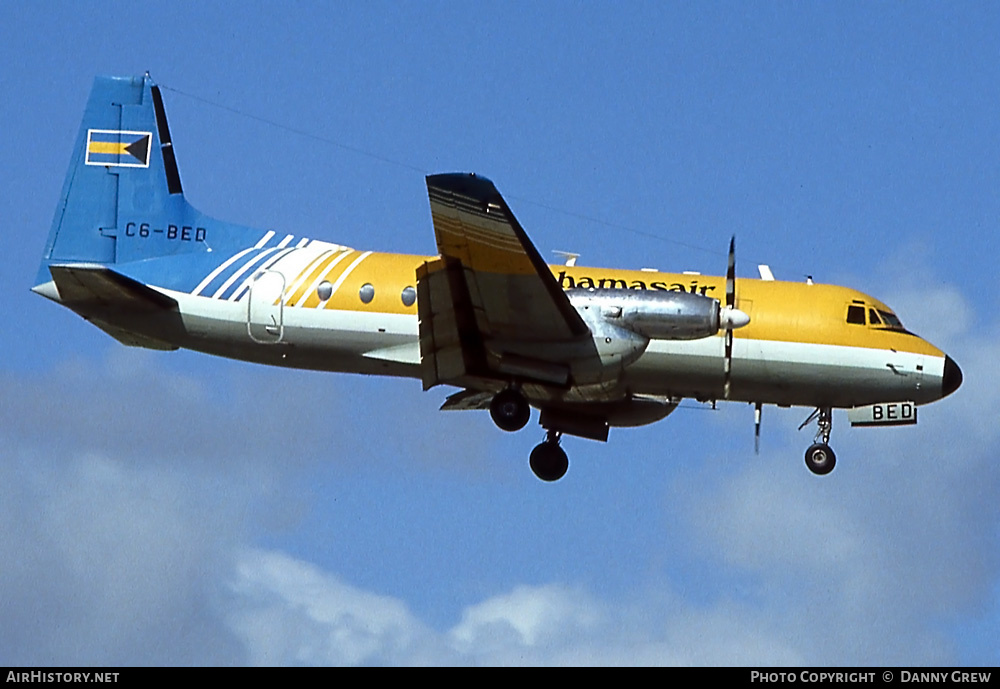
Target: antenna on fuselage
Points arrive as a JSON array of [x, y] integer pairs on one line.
[[567, 256]]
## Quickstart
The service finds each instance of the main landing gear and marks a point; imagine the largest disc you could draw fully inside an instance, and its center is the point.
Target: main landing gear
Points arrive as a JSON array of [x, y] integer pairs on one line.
[[548, 460], [820, 457], [510, 410]]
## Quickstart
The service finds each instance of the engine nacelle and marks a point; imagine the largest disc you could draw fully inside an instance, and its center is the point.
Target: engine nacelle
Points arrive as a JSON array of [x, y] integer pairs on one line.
[[592, 420], [657, 315]]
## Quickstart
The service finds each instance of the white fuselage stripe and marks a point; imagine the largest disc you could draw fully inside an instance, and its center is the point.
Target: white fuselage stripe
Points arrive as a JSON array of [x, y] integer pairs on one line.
[[304, 274], [321, 276], [215, 273], [264, 240], [350, 268], [242, 289], [243, 269]]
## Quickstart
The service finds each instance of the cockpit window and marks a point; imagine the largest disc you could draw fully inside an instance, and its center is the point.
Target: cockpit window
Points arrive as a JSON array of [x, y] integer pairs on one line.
[[856, 314], [873, 317], [891, 320]]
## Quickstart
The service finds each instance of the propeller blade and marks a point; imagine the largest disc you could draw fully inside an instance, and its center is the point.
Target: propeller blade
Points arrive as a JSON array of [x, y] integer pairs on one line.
[[731, 275], [730, 306], [756, 427], [728, 364]]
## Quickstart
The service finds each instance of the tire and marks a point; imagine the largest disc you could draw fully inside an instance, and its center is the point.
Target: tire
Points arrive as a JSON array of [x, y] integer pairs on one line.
[[820, 459], [510, 411], [549, 461]]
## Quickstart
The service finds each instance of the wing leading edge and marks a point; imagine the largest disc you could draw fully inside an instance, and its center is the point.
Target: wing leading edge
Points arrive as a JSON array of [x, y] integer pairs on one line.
[[489, 306], [512, 288]]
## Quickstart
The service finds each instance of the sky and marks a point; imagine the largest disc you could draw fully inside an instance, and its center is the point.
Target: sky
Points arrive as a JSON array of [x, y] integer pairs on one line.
[[180, 509]]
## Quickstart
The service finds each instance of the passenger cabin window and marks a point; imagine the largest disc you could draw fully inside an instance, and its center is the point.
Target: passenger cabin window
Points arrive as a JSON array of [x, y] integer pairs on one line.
[[409, 296], [367, 293], [856, 314]]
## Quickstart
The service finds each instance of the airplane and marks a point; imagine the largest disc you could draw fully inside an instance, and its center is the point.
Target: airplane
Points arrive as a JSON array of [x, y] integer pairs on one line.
[[590, 348]]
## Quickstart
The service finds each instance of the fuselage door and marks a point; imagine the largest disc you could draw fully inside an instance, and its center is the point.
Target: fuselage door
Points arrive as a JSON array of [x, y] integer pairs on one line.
[[265, 307]]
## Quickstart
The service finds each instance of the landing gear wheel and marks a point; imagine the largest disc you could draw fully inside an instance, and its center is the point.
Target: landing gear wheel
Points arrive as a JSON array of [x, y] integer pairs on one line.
[[510, 411], [549, 461], [820, 459]]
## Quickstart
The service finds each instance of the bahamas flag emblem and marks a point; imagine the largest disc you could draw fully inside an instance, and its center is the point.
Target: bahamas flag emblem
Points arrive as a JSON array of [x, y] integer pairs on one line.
[[118, 148]]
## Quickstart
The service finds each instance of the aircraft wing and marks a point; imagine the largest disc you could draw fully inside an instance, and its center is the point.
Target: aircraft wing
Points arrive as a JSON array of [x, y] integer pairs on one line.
[[512, 289], [489, 307]]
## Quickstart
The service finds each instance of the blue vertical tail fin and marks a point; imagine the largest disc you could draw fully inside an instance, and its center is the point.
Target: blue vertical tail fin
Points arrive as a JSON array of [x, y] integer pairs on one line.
[[122, 199]]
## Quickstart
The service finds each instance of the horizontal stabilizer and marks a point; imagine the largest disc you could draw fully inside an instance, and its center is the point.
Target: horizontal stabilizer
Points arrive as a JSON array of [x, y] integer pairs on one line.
[[94, 286], [131, 339], [111, 301]]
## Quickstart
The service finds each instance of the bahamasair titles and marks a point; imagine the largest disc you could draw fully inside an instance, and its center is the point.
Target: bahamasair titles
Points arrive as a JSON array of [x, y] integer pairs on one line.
[[589, 348]]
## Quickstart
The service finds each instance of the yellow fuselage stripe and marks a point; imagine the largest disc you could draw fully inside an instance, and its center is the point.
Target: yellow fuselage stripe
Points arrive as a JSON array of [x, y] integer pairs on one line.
[[779, 311], [310, 274]]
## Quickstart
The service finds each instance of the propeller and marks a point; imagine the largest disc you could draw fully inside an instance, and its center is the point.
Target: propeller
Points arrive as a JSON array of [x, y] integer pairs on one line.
[[756, 427], [731, 317]]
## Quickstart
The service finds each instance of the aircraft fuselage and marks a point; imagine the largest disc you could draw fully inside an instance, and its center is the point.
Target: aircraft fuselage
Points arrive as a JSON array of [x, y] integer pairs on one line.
[[798, 348], [590, 347]]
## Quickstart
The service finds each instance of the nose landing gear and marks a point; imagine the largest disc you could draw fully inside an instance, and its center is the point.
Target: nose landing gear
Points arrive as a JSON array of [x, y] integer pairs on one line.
[[820, 457]]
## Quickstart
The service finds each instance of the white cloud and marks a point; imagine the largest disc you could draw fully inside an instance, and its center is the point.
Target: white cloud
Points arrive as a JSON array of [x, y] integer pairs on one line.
[[558, 625], [108, 564], [529, 616], [121, 508], [292, 612]]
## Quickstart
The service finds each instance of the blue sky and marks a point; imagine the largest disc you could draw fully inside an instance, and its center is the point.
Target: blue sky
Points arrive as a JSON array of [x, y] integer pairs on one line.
[[173, 508]]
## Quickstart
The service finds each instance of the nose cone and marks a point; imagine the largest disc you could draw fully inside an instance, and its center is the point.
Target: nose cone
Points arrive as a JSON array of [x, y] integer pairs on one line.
[[952, 377]]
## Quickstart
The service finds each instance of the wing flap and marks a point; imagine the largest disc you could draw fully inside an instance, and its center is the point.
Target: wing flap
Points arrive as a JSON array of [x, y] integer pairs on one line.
[[451, 345]]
